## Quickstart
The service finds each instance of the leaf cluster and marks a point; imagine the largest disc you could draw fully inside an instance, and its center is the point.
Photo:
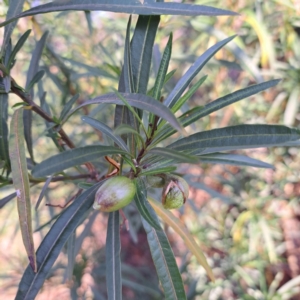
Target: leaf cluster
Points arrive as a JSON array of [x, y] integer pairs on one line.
[[138, 144]]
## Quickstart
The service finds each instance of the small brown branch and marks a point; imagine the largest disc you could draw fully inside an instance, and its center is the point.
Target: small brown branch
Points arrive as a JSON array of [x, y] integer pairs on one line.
[[54, 179], [68, 202], [34, 107]]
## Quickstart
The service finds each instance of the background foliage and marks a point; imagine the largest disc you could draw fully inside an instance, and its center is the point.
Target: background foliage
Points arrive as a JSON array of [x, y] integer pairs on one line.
[[242, 217]]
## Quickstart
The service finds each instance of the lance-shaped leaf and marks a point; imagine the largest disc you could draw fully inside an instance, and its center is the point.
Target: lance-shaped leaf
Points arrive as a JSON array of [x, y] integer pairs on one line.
[[188, 239], [15, 8], [17, 48], [127, 67], [227, 100], [161, 75], [156, 171], [125, 129], [190, 74], [32, 71], [199, 112], [4, 130], [177, 156], [143, 205], [164, 262], [21, 183], [237, 137], [6, 199], [71, 256], [136, 100], [53, 242], [167, 78], [106, 130], [68, 106], [163, 68], [188, 94], [36, 78], [130, 7], [113, 262], [141, 51], [122, 113], [156, 163], [43, 191], [233, 159], [71, 158]]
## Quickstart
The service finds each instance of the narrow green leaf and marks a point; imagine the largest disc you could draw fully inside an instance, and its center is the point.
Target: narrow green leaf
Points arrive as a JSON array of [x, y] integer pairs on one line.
[[113, 262], [156, 171], [68, 106], [161, 75], [71, 158], [43, 191], [141, 50], [15, 8], [156, 163], [20, 104], [123, 115], [143, 205], [48, 223], [163, 68], [164, 261], [21, 183], [36, 78], [5, 78], [127, 68], [136, 100], [233, 159], [130, 163], [71, 255], [132, 111], [6, 199], [227, 100], [190, 74], [123, 129], [177, 156], [130, 7], [53, 242], [106, 130], [199, 112], [234, 47], [237, 137], [4, 130], [2, 164], [163, 133], [188, 94], [167, 78], [36, 56], [17, 48], [33, 69]]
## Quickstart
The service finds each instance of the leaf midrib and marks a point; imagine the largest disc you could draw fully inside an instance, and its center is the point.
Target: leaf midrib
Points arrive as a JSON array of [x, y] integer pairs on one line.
[[185, 143]]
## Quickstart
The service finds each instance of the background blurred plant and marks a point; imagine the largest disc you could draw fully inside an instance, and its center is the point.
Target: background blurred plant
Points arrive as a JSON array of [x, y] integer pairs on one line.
[[242, 219]]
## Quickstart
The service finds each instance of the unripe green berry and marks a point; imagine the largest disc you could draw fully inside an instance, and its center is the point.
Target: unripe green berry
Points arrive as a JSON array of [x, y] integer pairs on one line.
[[175, 192], [115, 193]]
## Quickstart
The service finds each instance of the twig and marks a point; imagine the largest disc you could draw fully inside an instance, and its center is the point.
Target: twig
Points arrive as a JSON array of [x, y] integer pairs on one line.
[[34, 107]]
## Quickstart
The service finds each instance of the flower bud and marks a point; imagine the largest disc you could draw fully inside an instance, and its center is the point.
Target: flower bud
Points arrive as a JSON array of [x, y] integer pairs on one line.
[[156, 181], [114, 193], [175, 192]]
